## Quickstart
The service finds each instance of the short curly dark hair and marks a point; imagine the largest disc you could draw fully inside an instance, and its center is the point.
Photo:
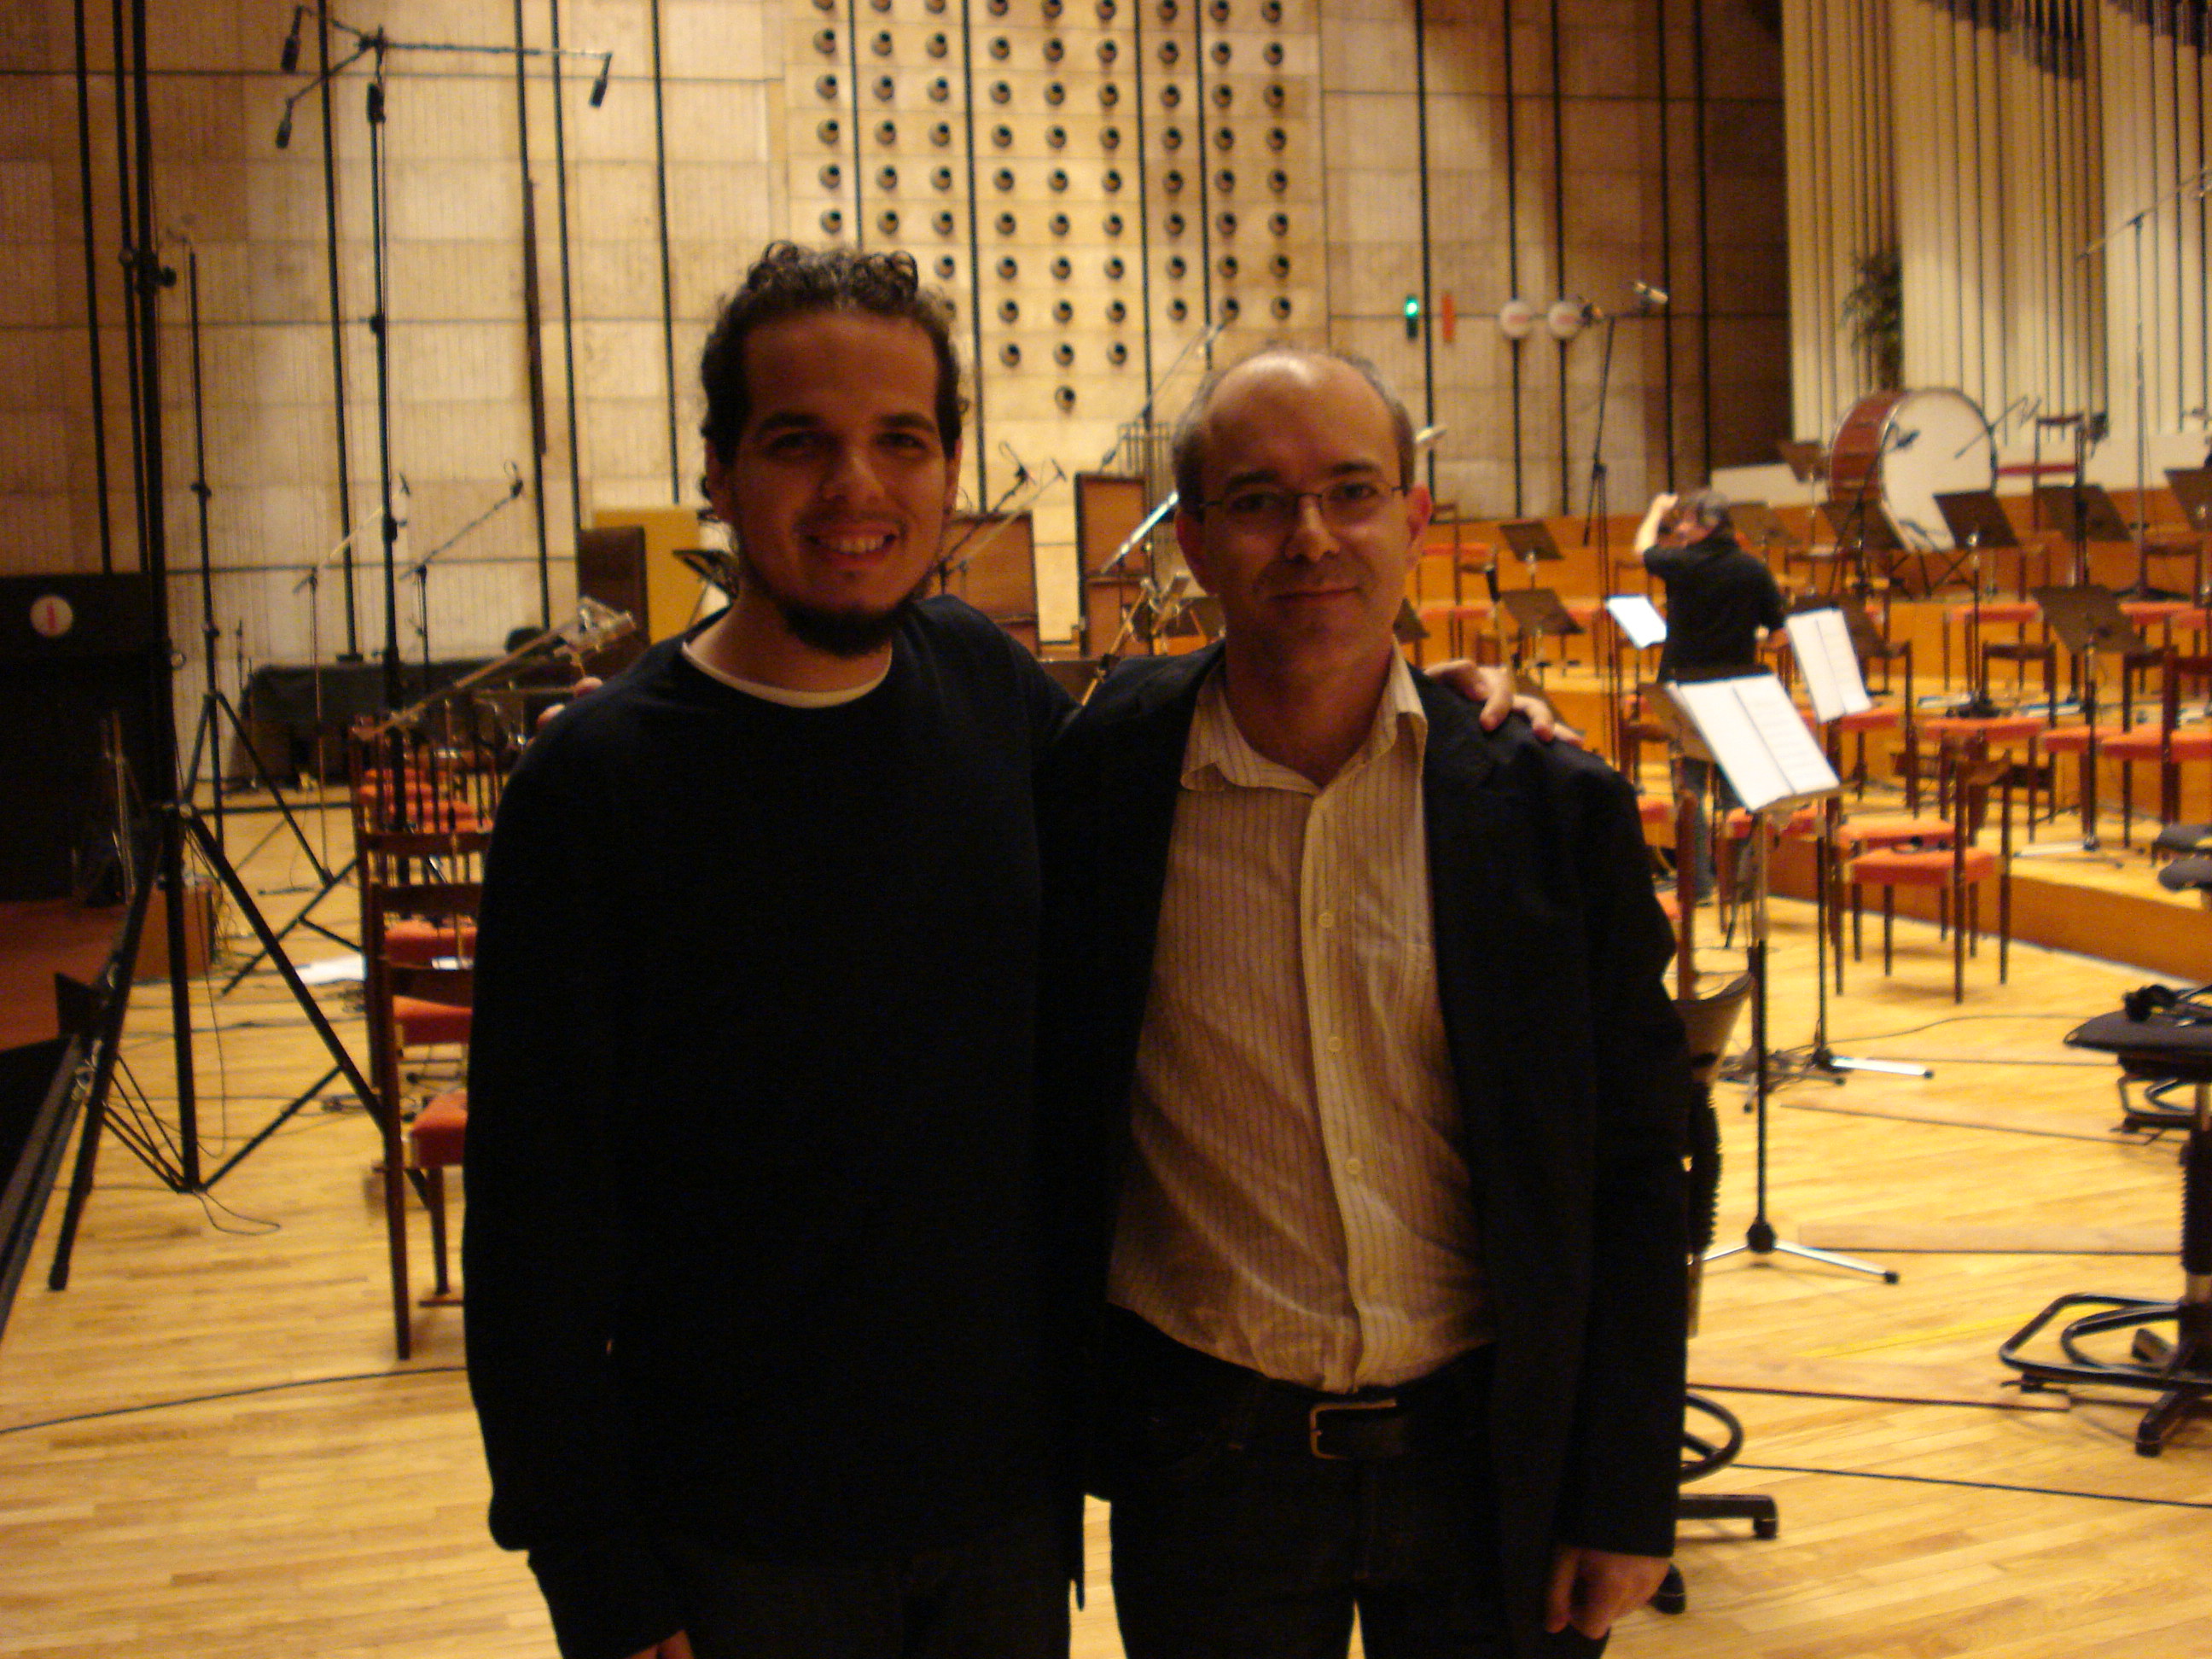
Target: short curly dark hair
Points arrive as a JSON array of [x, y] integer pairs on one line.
[[791, 281]]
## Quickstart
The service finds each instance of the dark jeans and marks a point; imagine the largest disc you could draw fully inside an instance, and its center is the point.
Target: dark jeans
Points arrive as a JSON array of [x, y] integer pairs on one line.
[[1233, 1543], [1003, 1596]]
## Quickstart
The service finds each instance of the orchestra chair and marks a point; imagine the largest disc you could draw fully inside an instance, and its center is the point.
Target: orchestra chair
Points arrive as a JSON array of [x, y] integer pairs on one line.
[[1435, 616], [1708, 1023], [1975, 616], [1955, 734], [2159, 1042], [1879, 717], [1587, 614], [2165, 742], [1636, 727], [1956, 872], [421, 891]]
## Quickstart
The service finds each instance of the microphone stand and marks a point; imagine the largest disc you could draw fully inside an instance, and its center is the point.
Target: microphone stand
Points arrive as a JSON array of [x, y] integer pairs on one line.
[[207, 732], [2198, 182], [376, 46], [419, 573]]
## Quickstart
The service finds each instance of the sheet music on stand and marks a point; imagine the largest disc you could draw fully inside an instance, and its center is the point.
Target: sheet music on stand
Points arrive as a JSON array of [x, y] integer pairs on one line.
[[1759, 739], [1639, 620], [1821, 640]]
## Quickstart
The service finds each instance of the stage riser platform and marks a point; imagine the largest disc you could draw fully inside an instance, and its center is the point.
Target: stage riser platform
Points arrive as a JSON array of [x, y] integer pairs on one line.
[[2148, 930]]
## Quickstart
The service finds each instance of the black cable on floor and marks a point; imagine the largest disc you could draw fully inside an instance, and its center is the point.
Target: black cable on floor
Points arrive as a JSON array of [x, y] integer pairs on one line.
[[230, 1393], [1981, 1485]]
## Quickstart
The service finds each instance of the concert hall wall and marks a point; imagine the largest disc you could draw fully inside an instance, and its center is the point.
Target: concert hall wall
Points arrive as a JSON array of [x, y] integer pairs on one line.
[[1344, 155]]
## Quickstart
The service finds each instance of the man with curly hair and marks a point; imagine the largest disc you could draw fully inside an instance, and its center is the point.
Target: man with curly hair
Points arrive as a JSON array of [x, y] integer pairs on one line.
[[755, 1319]]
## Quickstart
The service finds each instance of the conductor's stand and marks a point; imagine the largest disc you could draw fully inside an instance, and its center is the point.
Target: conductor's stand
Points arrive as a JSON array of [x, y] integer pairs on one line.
[[2161, 1040]]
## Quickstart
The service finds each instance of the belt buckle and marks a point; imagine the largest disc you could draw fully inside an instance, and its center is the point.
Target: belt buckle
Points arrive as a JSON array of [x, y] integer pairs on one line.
[[1315, 1425]]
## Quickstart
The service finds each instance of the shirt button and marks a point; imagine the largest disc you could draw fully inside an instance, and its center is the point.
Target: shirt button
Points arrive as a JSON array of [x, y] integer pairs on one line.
[[1328, 918], [1353, 1165], [1336, 1045]]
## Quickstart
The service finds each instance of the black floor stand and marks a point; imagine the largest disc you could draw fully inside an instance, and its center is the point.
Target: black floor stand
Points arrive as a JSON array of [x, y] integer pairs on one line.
[[1818, 1059], [1705, 1457], [1760, 1239], [177, 825], [2178, 1371]]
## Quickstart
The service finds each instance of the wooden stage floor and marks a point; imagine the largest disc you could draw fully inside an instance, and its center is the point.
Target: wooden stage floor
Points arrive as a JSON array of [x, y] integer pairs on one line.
[[207, 1449]]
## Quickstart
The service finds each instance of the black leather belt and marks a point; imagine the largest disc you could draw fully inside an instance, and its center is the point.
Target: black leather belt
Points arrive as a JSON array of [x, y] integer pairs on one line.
[[1365, 1425]]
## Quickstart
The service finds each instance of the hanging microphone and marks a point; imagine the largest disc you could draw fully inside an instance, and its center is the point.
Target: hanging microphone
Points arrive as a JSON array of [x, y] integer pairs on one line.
[[514, 481], [599, 86], [290, 61], [284, 129], [1653, 297]]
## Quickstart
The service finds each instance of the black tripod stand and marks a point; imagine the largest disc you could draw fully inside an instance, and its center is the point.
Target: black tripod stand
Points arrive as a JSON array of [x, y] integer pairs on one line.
[[207, 733], [1761, 1238], [176, 822]]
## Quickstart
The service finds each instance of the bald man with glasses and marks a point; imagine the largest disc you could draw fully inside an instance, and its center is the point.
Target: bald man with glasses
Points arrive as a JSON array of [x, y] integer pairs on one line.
[[1365, 1049]]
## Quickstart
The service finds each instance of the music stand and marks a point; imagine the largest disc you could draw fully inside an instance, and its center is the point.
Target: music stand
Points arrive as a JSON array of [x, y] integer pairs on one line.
[[1807, 460], [2193, 489], [1755, 522], [1637, 620], [1537, 611], [1977, 519], [2087, 620], [2100, 519], [1859, 519], [1772, 765], [1531, 543]]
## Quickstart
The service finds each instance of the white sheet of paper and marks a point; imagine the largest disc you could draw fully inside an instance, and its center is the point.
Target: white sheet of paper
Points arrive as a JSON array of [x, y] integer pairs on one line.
[[1822, 644], [1759, 739], [1638, 617]]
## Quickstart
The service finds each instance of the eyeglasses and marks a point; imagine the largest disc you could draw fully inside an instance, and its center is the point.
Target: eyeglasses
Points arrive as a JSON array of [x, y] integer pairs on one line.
[[1348, 504]]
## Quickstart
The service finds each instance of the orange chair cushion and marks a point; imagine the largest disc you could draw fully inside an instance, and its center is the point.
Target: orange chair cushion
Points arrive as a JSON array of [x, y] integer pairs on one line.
[[1868, 834], [2155, 611], [418, 943], [2073, 739], [1803, 822], [421, 1021], [1868, 719], [1996, 610], [2142, 743], [441, 1129], [1998, 728], [1474, 610], [1895, 867], [1654, 810]]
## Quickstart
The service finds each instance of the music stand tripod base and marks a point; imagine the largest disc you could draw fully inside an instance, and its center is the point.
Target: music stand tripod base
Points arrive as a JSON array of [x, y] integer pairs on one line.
[[1760, 1240]]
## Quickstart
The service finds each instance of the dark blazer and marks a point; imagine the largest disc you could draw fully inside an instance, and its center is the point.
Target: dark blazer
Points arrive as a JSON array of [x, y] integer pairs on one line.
[[1569, 1059]]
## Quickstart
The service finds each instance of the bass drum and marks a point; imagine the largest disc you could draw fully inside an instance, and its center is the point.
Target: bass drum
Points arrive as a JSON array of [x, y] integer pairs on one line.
[[1900, 450]]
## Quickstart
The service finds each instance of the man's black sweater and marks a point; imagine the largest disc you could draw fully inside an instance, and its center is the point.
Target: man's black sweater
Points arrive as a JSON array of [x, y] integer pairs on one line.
[[1718, 597], [751, 1245]]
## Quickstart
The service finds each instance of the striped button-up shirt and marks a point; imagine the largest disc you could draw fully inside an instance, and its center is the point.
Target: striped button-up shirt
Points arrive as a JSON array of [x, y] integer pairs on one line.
[[1297, 1202]]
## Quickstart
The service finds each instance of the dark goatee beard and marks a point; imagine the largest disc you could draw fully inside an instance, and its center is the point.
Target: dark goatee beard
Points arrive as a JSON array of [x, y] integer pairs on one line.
[[835, 633]]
